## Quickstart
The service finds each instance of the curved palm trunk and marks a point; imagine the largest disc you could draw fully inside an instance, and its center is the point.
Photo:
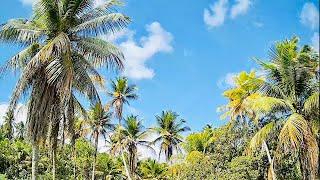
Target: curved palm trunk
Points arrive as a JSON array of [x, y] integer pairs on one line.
[[270, 160], [35, 157], [95, 154]]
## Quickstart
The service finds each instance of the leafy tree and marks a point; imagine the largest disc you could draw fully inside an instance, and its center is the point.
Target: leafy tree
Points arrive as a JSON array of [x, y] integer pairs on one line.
[[7, 126], [151, 169], [169, 129], [60, 56]]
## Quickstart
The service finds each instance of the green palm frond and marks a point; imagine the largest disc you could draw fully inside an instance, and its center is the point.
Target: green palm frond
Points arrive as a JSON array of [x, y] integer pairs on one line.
[[293, 132], [111, 22], [100, 53], [21, 31], [311, 105], [20, 60], [260, 136]]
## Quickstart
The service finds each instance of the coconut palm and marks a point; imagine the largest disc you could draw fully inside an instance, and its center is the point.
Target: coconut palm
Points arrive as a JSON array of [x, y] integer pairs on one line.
[[135, 135], [100, 124], [169, 129], [239, 106], [121, 93], [291, 90], [61, 54], [132, 135]]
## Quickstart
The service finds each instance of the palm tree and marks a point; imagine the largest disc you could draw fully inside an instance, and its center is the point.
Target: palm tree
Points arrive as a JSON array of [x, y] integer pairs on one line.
[[121, 93], [99, 123], [291, 90], [8, 125], [117, 146], [134, 137], [61, 54], [239, 106], [169, 129]]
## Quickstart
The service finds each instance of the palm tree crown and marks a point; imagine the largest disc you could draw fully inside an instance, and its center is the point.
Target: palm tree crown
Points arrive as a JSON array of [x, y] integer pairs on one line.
[[121, 93], [169, 129], [60, 56]]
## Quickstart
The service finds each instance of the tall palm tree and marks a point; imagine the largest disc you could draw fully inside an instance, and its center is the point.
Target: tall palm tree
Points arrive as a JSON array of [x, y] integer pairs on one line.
[[169, 129], [7, 126], [291, 90], [61, 53], [100, 124], [121, 93]]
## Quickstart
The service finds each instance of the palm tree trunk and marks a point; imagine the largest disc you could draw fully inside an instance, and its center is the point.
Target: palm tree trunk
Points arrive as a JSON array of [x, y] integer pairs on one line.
[[270, 160], [125, 165], [95, 154], [35, 156]]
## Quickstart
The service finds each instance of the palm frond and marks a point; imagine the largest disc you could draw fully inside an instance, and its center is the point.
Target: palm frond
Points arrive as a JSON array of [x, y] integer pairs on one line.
[[111, 22], [260, 136]]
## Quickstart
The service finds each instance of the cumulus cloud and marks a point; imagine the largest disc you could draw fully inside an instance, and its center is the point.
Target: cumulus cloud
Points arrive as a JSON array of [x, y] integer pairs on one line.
[[240, 8], [216, 14], [310, 15], [20, 113], [138, 53], [227, 81], [315, 41]]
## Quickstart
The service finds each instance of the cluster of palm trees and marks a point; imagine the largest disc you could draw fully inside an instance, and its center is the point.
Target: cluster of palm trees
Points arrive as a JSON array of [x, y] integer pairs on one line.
[[286, 98], [62, 50]]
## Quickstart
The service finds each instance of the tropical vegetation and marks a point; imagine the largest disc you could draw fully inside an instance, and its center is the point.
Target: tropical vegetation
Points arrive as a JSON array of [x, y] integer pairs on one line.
[[272, 119]]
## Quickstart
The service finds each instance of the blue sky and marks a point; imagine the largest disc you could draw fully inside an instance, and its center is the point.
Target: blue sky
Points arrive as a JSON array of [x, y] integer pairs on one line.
[[183, 54]]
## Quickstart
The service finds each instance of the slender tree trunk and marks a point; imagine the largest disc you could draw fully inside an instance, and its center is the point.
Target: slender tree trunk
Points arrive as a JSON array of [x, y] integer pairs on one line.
[[35, 156], [270, 160], [125, 165], [95, 155], [74, 161]]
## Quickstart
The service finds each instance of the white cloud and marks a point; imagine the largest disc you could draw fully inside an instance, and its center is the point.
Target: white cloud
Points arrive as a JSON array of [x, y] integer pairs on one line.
[[119, 35], [138, 53], [240, 8], [227, 81], [20, 113], [315, 41], [215, 15], [28, 2], [310, 15]]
